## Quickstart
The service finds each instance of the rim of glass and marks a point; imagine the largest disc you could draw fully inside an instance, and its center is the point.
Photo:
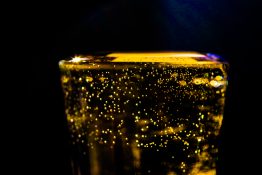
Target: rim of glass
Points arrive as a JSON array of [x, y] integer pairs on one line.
[[117, 59]]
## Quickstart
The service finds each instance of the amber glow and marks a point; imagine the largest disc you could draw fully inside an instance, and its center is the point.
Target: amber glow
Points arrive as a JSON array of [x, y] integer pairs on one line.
[[159, 116], [157, 54], [167, 57]]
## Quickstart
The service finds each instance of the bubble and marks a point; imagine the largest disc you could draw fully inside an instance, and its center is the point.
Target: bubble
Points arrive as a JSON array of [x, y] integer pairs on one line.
[[89, 79]]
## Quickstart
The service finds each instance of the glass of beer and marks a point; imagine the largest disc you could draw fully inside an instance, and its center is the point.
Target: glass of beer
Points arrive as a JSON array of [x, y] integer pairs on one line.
[[144, 113]]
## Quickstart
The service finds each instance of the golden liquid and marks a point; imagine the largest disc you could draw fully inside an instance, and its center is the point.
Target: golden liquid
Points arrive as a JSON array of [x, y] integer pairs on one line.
[[144, 118]]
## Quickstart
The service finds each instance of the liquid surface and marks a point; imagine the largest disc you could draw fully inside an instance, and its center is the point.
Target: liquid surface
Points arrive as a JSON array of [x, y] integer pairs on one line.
[[144, 118]]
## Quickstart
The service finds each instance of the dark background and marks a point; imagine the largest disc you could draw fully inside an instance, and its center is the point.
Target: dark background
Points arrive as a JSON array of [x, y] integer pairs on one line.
[[51, 32]]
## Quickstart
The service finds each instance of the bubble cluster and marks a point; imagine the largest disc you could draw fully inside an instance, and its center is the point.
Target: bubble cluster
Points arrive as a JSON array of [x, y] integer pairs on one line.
[[144, 118]]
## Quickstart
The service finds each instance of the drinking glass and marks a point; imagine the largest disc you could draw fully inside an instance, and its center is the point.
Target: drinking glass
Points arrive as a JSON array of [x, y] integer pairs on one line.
[[144, 113]]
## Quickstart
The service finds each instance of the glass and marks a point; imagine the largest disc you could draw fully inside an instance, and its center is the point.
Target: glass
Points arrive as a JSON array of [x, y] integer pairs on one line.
[[144, 113]]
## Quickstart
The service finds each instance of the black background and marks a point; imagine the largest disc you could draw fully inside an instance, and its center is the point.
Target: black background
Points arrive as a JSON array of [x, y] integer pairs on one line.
[[51, 32]]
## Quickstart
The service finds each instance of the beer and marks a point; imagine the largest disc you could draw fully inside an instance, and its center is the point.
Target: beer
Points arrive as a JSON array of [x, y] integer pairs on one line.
[[144, 113]]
